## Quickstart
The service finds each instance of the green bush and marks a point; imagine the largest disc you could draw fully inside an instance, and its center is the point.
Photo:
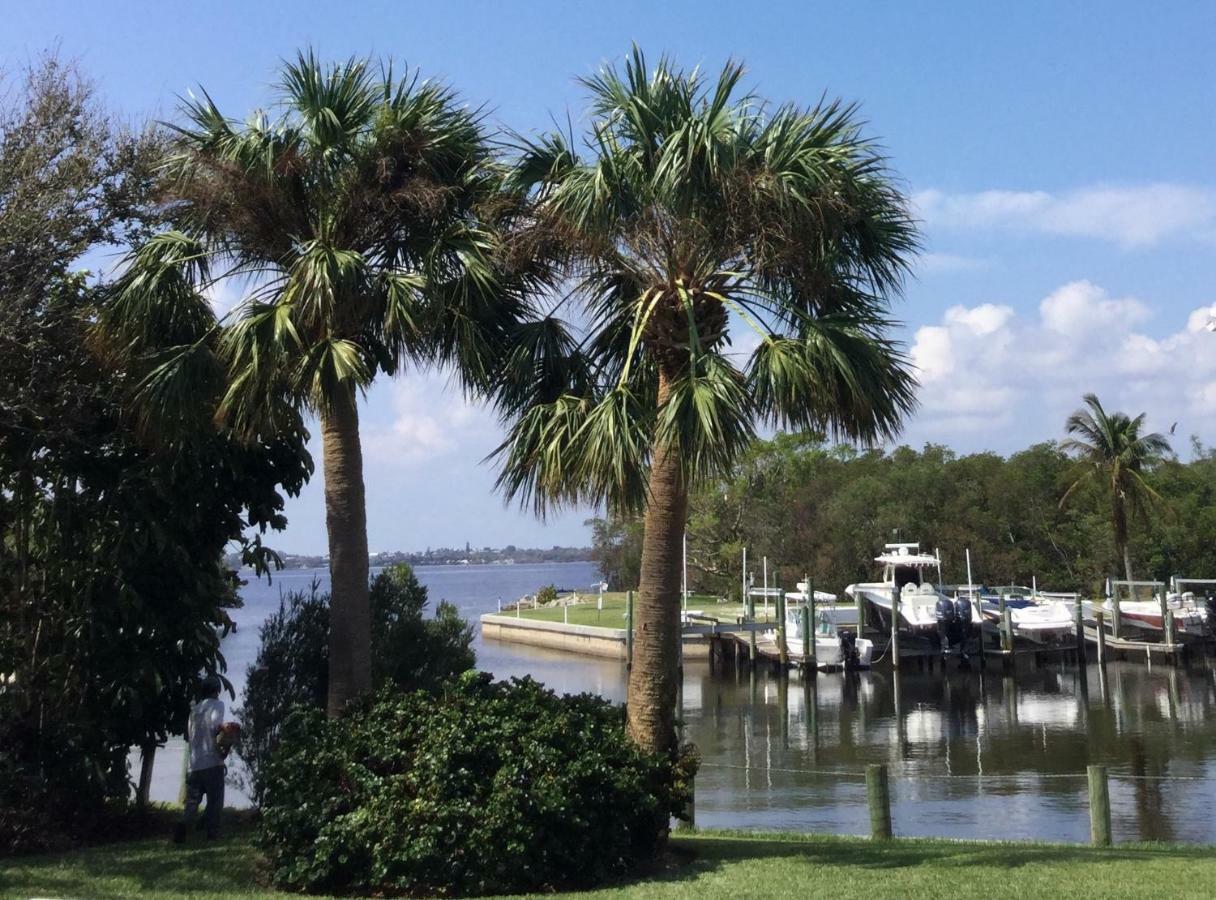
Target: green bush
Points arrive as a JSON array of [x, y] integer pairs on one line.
[[482, 788], [547, 595], [409, 651]]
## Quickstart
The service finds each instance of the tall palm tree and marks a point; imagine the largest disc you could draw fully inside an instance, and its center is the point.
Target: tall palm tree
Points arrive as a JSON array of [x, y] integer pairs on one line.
[[351, 221], [1111, 447], [698, 213]]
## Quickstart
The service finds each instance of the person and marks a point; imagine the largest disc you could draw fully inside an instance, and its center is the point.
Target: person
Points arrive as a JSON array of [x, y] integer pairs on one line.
[[206, 766]]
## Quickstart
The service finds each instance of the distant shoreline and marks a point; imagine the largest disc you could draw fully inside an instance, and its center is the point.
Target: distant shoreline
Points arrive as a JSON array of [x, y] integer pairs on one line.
[[508, 556]]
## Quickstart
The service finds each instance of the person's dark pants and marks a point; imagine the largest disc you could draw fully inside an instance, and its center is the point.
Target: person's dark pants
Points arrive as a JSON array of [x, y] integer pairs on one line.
[[209, 783]]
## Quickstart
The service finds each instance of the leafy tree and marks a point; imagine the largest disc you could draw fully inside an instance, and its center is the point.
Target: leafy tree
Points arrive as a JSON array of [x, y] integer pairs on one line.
[[352, 225], [409, 650], [1111, 448], [111, 535], [616, 547], [700, 211]]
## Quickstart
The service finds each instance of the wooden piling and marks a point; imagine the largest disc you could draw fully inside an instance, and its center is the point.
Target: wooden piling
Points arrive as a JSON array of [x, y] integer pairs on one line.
[[1167, 618], [783, 653], [1099, 806], [1101, 632], [807, 643], [1006, 628], [810, 601], [1115, 627], [878, 796], [894, 628]]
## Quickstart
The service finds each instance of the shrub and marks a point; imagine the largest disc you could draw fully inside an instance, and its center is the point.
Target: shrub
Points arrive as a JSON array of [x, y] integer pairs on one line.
[[547, 595], [482, 788], [292, 665]]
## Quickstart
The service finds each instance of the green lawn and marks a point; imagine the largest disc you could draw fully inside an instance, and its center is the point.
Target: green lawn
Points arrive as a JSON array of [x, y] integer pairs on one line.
[[705, 865], [613, 613]]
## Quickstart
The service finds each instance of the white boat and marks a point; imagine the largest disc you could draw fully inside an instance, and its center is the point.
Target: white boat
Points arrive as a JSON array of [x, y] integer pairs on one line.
[[1035, 616], [835, 647], [904, 572], [1190, 615]]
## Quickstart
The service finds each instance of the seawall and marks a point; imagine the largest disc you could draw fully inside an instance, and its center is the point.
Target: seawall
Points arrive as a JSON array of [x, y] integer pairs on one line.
[[587, 640]]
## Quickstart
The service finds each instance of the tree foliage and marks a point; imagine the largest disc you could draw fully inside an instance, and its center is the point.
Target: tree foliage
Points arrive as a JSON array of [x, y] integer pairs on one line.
[[111, 534], [482, 788], [410, 651], [821, 509]]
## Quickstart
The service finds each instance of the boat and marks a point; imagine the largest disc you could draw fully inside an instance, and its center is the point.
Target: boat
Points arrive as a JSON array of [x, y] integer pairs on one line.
[[1038, 617], [904, 572], [1191, 614], [836, 647]]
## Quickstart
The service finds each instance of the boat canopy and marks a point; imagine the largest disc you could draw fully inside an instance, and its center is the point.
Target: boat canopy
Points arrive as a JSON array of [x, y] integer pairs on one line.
[[905, 555]]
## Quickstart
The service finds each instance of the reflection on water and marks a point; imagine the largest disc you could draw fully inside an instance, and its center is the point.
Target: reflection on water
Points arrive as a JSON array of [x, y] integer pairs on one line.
[[970, 754]]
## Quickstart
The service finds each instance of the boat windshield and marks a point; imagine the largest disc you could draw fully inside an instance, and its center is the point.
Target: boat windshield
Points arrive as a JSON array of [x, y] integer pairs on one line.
[[906, 575]]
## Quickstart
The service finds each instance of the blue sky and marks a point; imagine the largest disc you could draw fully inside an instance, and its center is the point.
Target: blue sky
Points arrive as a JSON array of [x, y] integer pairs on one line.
[[1060, 155]]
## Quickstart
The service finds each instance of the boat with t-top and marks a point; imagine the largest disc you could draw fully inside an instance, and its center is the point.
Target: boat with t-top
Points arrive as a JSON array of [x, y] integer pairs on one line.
[[906, 576]]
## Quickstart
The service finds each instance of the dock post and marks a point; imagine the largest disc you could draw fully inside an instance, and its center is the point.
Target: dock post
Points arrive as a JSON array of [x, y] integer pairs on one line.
[[783, 653], [1079, 624], [894, 647], [1113, 597], [1167, 618], [810, 602], [629, 629], [878, 796], [807, 643], [1101, 630], [1099, 806], [1007, 629]]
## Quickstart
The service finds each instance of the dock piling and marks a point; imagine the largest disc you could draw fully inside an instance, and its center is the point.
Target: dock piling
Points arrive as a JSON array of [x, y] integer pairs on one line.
[[1099, 806], [878, 796], [894, 628], [809, 623]]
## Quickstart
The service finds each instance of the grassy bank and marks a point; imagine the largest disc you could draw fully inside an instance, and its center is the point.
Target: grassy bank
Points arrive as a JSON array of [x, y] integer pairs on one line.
[[586, 611], [708, 864]]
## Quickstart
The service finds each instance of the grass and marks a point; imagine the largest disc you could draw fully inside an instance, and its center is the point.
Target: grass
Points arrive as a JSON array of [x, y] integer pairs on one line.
[[613, 613], [703, 865]]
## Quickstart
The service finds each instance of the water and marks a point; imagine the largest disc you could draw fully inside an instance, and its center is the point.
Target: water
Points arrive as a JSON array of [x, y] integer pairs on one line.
[[787, 755]]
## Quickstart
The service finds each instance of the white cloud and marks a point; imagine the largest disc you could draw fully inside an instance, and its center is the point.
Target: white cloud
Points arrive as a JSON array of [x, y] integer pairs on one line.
[[429, 419], [1131, 216], [1012, 379]]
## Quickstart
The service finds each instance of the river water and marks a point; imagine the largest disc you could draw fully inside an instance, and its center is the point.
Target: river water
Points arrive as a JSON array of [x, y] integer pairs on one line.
[[970, 755]]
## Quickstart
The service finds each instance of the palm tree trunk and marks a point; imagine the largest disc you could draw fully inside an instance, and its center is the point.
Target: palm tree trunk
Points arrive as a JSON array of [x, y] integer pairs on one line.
[[350, 671], [1119, 521], [651, 697]]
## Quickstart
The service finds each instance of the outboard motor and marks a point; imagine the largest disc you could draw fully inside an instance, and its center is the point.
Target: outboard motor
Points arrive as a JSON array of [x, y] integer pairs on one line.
[[849, 655], [961, 632], [945, 621]]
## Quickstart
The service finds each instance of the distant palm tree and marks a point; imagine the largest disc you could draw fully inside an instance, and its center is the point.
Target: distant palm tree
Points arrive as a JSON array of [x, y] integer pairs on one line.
[[1111, 447], [352, 224], [698, 213]]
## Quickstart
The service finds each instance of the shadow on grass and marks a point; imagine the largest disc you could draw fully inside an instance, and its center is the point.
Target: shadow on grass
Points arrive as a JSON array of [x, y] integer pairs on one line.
[[200, 867]]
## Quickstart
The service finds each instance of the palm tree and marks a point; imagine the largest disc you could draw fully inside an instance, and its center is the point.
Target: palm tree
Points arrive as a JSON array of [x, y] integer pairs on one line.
[[699, 213], [1111, 447], [352, 224]]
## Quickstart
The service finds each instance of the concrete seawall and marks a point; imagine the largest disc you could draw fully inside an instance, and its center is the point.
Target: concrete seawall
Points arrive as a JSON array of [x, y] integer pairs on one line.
[[587, 640]]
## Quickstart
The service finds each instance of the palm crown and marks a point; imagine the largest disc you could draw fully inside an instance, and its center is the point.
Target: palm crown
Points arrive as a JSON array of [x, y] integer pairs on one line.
[[349, 223], [698, 212]]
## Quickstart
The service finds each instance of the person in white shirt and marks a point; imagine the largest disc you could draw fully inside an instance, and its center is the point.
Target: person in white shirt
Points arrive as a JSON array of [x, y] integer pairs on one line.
[[206, 766]]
